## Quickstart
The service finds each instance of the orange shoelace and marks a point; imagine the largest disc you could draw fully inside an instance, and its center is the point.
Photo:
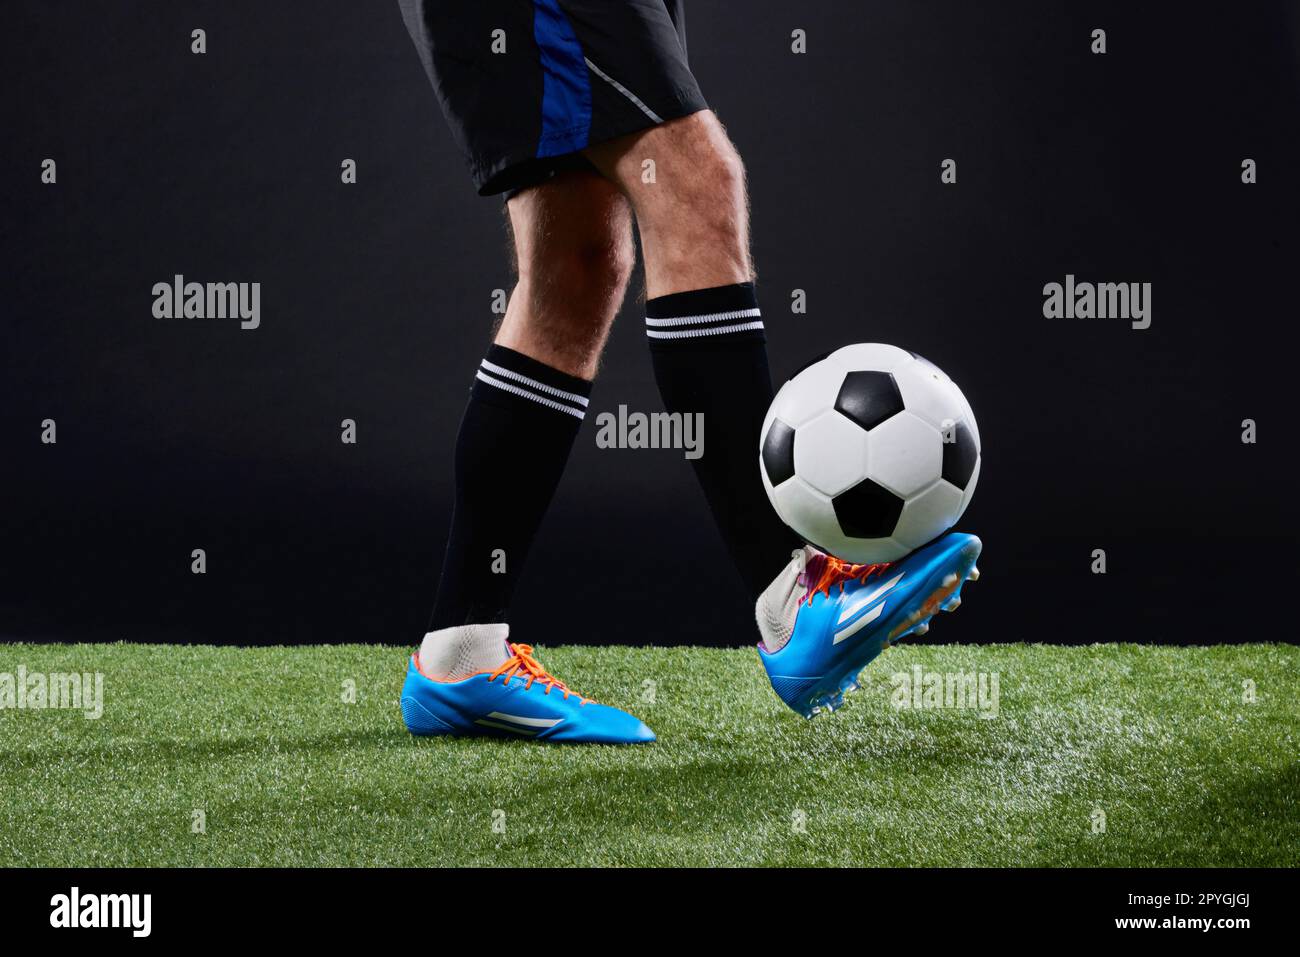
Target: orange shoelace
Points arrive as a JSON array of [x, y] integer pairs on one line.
[[521, 663], [835, 571]]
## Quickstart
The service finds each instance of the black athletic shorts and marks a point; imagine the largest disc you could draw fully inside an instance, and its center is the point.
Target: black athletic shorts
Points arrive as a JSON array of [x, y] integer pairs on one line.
[[527, 84]]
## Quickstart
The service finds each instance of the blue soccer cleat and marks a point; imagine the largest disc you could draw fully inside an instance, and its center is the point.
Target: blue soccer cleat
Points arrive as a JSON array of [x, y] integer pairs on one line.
[[517, 700], [823, 620]]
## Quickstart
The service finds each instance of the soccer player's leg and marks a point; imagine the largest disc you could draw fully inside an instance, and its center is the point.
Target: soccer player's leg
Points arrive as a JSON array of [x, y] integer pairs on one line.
[[703, 322], [821, 620], [572, 239]]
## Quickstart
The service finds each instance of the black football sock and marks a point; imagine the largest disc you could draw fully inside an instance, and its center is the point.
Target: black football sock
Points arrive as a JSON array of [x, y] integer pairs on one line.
[[514, 441], [710, 356]]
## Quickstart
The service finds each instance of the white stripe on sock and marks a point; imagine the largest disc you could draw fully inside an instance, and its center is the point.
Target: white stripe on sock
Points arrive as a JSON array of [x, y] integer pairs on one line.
[[709, 331], [523, 393], [710, 317], [542, 386]]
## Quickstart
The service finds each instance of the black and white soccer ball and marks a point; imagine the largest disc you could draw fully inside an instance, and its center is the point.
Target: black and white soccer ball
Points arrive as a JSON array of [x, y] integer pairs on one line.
[[869, 453]]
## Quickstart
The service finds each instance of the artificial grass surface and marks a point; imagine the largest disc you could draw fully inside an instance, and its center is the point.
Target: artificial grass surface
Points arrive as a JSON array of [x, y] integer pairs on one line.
[[286, 772]]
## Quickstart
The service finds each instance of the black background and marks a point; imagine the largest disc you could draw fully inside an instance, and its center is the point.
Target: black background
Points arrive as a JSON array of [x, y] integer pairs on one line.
[[182, 434]]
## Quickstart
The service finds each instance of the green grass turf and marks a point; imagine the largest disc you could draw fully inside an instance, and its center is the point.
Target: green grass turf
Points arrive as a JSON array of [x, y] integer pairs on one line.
[[287, 773]]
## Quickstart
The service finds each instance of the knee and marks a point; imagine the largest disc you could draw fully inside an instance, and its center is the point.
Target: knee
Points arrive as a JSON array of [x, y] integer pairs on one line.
[[604, 265], [592, 273], [703, 158], [700, 181], [722, 172], [571, 292], [572, 238]]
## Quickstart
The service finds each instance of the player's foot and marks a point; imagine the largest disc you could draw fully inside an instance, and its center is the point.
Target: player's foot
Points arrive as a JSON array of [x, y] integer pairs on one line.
[[517, 699], [824, 620]]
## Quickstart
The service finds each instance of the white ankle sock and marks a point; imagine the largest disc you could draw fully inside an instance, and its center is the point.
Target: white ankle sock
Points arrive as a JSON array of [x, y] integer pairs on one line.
[[455, 653]]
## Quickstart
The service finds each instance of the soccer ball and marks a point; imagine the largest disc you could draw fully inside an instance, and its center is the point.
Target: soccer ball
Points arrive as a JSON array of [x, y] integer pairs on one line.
[[869, 453]]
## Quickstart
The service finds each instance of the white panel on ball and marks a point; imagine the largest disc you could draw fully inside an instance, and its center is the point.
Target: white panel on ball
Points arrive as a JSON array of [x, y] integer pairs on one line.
[[929, 393], [808, 512], [928, 515], [807, 395], [871, 551], [906, 454], [830, 453], [866, 355]]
